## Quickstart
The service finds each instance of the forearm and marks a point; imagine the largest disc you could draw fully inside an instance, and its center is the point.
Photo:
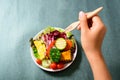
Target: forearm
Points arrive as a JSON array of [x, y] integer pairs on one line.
[[98, 66]]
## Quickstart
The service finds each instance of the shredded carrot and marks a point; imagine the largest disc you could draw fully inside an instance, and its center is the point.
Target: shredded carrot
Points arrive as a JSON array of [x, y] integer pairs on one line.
[[49, 48], [69, 44]]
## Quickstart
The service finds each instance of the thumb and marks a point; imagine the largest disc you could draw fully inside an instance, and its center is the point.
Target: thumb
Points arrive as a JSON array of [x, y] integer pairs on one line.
[[83, 21]]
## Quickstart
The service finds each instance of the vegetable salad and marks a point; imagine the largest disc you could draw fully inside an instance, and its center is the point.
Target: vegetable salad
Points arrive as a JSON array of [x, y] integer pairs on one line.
[[53, 48]]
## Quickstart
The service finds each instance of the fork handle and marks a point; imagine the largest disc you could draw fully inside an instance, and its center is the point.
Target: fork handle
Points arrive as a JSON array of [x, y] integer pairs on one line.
[[93, 13]]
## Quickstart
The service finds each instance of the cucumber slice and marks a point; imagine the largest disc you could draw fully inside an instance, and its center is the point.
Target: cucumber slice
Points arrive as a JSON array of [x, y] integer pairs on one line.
[[60, 43], [46, 63]]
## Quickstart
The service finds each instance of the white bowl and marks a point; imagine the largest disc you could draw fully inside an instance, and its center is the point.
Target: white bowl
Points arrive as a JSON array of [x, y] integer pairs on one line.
[[48, 69]]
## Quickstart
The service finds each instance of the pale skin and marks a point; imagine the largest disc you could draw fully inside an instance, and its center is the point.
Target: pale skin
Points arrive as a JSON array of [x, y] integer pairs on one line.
[[91, 40]]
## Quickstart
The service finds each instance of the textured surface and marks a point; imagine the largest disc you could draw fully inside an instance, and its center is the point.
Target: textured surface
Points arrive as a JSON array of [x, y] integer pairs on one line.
[[22, 19]]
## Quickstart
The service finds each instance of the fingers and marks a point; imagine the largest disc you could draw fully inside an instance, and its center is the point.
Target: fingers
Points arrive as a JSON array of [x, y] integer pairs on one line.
[[97, 21], [83, 21]]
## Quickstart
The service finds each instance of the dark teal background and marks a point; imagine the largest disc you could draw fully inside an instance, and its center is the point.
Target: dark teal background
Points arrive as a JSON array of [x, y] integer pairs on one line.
[[22, 19]]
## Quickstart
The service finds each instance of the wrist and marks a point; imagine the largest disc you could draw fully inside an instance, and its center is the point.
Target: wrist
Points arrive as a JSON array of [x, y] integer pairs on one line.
[[93, 51], [98, 66], [93, 54]]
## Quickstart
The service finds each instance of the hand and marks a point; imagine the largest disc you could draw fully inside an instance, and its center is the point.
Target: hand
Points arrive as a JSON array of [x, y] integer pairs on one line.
[[91, 36]]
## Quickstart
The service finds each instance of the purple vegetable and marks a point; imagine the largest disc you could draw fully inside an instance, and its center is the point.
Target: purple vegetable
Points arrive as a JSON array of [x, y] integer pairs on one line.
[[63, 35], [49, 37]]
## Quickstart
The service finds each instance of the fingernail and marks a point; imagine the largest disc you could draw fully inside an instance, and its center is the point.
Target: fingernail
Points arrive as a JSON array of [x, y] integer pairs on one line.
[[81, 13]]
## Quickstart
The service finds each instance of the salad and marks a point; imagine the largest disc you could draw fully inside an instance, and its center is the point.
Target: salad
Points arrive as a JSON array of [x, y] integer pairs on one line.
[[53, 49]]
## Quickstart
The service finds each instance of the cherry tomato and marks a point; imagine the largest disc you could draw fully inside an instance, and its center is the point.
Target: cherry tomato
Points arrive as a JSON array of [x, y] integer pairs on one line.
[[60, 65], [53, 66], [38, 61]]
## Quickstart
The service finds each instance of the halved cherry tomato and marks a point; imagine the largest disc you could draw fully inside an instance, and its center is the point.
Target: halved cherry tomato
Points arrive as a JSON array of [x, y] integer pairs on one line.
[[39, 61], [49, 47], [60, 65], [53, 66]]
